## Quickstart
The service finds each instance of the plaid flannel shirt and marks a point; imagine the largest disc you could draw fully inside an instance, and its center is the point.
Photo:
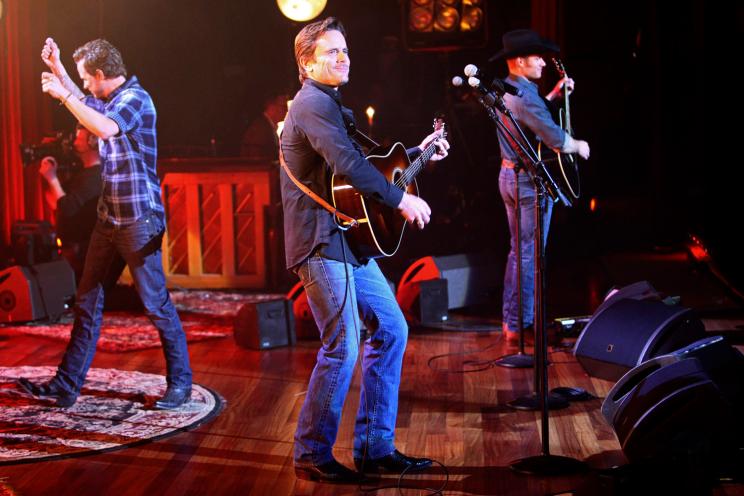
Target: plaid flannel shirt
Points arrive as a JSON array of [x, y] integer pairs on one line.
[[131, 187]]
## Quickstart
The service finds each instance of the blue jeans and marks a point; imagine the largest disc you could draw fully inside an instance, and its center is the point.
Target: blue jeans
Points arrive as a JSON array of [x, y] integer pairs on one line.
[[335, 311], [510, 311], [139, 244]]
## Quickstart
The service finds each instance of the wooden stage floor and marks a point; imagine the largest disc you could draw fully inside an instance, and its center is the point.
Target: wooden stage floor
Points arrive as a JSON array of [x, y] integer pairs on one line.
[[460, 419]]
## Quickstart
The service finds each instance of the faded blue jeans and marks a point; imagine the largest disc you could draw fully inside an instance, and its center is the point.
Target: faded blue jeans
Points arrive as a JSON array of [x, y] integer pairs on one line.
[[334, 304], [510, 310], [139, 244]]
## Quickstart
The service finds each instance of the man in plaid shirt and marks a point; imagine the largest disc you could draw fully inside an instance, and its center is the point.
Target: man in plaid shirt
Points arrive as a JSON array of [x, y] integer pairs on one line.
[[131, 217]]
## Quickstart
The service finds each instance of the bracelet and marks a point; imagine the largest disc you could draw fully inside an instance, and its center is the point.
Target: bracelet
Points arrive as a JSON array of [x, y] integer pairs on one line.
[[66, 98]]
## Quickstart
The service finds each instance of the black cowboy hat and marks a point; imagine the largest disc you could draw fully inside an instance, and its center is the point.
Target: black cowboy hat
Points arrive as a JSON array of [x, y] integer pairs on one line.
[[524, 42]]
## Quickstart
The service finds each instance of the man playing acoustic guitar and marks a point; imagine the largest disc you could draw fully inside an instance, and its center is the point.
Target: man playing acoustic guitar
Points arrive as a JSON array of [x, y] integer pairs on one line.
[[522, 51], [340, 286]]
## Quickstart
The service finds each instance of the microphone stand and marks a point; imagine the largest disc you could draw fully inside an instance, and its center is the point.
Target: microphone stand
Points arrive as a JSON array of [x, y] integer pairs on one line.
[[519, 360], [545, 463]]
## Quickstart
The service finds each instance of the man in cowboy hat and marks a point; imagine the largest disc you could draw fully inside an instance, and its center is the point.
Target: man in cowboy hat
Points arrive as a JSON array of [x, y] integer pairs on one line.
[[523, 49]]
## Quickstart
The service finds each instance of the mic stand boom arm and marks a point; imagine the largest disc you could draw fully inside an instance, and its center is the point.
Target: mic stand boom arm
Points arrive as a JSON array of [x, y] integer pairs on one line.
[[524, 150]]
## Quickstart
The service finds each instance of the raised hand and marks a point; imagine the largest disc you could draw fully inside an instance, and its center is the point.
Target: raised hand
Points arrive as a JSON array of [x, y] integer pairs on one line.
[[50, 56], [51, 85]]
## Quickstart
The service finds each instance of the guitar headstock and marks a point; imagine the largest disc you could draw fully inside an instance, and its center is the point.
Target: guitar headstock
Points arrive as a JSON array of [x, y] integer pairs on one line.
[[559, 67], [439, 125]]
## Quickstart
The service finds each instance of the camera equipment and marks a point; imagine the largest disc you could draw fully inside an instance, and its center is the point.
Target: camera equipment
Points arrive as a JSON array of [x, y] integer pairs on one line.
[[59, 146]]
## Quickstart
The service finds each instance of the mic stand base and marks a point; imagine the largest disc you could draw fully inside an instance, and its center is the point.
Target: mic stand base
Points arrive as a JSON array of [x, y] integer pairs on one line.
[[532, 402], [548, 465], [516, 361]]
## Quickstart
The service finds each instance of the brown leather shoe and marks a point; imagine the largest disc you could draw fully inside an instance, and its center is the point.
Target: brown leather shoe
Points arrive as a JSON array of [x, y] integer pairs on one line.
[[512, 337]]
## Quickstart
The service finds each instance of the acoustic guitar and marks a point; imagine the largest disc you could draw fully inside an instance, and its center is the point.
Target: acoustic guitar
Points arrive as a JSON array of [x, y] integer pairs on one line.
[[378, 229], [567, 164]]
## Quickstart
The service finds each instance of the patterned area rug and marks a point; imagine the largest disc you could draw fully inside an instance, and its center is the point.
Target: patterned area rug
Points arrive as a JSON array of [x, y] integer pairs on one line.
[[114, 411], [204, 315]]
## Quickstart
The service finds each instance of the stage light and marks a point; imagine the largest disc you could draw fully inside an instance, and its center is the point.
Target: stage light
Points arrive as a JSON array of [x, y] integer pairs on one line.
[[301, 10], [444, 24]]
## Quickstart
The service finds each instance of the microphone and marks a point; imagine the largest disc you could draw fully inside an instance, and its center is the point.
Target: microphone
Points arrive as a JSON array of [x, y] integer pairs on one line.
[[472, 70], [500, 86], [489, 97]]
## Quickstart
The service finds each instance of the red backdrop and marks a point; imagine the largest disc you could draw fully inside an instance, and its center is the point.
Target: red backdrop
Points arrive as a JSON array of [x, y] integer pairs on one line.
[[24, 111]]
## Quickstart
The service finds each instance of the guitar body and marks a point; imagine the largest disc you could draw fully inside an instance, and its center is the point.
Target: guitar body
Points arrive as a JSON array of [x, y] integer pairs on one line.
[[562, 165], [380, 228]]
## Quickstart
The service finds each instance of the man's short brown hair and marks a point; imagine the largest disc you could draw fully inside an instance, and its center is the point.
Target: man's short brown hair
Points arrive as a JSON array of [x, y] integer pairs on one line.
[[100, 54], [307, 39]]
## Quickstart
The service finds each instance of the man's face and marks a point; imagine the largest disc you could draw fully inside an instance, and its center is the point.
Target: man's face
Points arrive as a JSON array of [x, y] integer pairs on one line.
[[91, 82], [532, 66], [330, 61]]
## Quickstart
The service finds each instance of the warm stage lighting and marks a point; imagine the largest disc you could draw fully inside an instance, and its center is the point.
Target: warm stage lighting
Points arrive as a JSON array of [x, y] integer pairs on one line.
[[1, 9], [444, 24], [301, 10]]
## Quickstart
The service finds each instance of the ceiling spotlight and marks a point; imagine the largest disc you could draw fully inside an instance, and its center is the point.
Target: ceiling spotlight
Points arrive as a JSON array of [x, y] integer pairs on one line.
[[301, 10]]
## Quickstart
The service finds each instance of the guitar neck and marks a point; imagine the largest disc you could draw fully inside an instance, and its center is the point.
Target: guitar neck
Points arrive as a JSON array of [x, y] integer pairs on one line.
[[417, 166]]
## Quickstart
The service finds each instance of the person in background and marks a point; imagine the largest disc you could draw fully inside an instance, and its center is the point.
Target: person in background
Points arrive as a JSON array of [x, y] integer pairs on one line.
[[261, 138]]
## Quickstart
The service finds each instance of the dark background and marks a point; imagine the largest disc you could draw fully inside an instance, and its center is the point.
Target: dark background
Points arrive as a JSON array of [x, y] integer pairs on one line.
[[637, 67]]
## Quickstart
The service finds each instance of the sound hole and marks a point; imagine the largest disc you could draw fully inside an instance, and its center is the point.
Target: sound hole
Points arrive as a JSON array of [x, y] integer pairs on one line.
[[397, 173]]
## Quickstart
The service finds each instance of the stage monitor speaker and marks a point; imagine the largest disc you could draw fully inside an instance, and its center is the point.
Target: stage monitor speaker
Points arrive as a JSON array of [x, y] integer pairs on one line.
[[471, 279], [627, 332], [42, 291], [431, 305], [722, 363], [671, 407], [265, 324]]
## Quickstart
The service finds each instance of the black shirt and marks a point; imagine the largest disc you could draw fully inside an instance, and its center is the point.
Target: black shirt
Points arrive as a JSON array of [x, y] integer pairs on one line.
[[76, 210], [316, 145]]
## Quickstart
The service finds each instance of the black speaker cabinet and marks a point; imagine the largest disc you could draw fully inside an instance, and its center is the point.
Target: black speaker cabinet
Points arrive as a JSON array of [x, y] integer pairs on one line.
[[36, 292], [628, 332], [432, 302], [670, 407], [265, 324]]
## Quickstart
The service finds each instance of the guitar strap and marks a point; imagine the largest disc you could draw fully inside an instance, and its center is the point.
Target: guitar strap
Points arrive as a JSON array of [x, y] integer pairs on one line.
[[351, 221], [359, 139]]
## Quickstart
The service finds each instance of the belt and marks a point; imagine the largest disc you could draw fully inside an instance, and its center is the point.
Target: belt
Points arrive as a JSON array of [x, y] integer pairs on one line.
[[508, 164]]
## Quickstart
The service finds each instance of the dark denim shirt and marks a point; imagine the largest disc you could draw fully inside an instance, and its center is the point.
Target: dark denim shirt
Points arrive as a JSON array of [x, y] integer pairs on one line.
[[533, 116], [316, 145], [131, 187]]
